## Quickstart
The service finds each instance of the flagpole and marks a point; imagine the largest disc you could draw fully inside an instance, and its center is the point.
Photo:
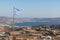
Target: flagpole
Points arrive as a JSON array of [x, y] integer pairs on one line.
[[13, 16], [14, 13], [13, 19]]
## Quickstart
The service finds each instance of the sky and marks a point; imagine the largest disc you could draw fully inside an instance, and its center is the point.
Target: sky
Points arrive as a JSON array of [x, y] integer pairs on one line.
[[31, 8]]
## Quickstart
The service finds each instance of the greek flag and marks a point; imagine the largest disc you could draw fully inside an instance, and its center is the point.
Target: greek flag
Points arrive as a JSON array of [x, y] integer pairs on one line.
[[16, 11]]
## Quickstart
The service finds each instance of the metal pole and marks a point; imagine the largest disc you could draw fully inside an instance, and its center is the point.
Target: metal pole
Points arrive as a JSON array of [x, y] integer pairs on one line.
[[13, 19], [13, 15]]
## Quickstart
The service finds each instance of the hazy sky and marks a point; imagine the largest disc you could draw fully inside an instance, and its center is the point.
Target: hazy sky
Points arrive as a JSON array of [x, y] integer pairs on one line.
[[31, 8]]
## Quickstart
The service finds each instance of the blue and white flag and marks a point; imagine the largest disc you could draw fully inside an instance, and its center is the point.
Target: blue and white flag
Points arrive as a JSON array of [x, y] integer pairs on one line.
[[15, 11]]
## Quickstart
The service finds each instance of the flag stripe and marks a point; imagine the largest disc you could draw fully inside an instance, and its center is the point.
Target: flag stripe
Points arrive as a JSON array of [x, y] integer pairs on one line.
[[15, 11]]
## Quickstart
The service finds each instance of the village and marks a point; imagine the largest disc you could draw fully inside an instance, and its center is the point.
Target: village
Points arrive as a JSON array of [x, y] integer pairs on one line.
[[42, 32]]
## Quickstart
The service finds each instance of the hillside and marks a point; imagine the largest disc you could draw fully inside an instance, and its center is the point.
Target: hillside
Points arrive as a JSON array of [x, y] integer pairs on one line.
[[4, 19]]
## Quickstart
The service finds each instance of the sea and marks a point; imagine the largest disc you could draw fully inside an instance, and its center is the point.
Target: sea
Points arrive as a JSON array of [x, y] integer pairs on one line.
[[34, 23]]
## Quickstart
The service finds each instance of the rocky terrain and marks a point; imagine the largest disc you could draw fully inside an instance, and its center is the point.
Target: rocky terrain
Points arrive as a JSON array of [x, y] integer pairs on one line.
[[42, 32]]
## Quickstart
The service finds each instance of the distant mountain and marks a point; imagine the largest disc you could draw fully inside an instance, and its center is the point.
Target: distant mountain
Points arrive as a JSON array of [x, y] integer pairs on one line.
[[4, 19], [47, 19]]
